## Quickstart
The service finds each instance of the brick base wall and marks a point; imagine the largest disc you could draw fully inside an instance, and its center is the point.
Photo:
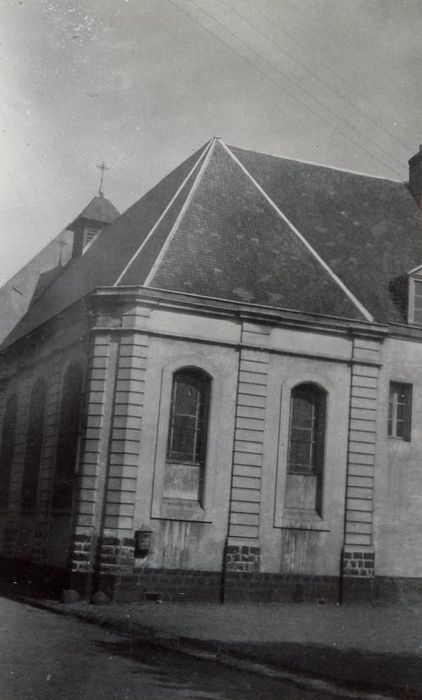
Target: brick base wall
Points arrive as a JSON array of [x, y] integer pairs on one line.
[[398, 591], [42, 579], [80, 554], [279, 588], [172, 585], [10, 538], [358, 576], [39, 547], [358, 564], [239, 586], [165, 584], [115, 557], [242, 558]]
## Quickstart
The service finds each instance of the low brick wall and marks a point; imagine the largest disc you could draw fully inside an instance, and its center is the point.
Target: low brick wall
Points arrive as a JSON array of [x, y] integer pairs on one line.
[[165, 584], [398, 591], [277, 588], [42, 579], [237, 587], [211, 586]]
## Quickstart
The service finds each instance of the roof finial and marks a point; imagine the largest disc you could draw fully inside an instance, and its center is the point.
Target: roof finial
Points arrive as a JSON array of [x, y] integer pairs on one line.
[[103, 168]]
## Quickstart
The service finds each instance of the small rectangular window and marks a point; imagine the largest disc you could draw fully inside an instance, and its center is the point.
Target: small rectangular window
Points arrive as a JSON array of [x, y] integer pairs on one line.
[[417, 301], [400, 411]]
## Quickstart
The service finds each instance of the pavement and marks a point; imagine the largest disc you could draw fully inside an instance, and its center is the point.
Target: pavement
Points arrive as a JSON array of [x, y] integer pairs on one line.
[[44, 656], [371, 652]]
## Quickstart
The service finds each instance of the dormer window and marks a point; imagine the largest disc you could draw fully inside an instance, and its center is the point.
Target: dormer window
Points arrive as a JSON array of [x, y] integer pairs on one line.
[[415, 296]]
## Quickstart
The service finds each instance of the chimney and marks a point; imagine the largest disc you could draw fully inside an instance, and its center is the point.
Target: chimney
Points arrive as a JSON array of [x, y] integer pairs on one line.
[[415, 177]]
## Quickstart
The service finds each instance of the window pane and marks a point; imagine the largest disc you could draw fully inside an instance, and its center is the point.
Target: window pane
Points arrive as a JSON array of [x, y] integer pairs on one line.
[[306, 447], [188, 419], [33, 448], [303, 411], [400, 410], [399, 429], [68, 437], [187, 397], [183, 438], [7, 449], [300, 456]]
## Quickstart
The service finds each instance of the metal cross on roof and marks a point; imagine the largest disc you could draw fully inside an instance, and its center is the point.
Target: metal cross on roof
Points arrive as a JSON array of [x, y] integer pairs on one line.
[[103, 168]]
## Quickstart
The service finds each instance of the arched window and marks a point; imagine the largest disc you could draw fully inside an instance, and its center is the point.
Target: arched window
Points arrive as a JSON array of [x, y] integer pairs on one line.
[[187, 436], [305, 459], [7, 449], [68, 437], [33, 446]]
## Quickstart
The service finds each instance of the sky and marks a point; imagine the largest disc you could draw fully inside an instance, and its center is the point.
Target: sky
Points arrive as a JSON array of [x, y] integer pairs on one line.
[[141, 84]]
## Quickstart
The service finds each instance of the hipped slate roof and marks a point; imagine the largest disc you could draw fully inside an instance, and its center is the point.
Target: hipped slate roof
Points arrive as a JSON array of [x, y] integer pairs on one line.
[[247, 227], [99, 209]]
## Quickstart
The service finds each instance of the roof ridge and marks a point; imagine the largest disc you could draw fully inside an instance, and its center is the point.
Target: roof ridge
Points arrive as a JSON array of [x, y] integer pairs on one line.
[[320, 165], [164, 212], [363, 310], [207, 154]]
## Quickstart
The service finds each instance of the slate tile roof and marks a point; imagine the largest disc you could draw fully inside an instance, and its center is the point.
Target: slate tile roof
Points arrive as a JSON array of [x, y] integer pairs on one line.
[[231, 244], [108, 255], [248, 227], [100, 209], [368, 229]]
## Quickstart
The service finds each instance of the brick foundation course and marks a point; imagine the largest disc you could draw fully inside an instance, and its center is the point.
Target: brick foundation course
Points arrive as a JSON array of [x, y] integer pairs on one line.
[[356, 563], [242, 558]]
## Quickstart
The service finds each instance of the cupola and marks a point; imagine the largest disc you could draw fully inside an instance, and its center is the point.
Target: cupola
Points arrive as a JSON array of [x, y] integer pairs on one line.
[[99, 213]]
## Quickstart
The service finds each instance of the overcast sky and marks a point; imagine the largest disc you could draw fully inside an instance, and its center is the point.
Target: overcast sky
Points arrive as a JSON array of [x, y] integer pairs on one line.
[[143, 83]]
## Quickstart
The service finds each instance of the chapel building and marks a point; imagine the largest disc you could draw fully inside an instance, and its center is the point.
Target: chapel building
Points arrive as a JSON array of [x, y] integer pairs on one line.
[[217, 395]]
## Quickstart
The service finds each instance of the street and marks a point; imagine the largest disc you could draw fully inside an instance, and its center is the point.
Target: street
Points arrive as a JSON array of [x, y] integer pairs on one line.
[[44, 655]]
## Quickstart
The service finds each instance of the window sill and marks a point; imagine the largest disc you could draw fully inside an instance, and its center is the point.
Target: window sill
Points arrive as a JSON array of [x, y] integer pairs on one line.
[[181, 509], [301, 520]]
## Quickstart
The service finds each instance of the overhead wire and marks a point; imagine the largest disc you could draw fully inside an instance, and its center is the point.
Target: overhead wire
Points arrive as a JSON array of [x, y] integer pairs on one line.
[[281, 87], [309, 95], [336, 75], [321, 80]]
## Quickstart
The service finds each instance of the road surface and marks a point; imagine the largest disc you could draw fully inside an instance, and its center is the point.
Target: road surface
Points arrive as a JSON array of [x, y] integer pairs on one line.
[[44, 656]]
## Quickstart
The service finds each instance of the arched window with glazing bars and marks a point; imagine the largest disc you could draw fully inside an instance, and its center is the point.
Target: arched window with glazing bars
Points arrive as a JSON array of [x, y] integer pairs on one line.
[[33, 445], [68, 437], [305, 458], [187, 434], [7, 449]]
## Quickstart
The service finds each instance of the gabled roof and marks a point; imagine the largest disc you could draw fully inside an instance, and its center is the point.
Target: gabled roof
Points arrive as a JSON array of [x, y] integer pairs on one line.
[[248, 227]]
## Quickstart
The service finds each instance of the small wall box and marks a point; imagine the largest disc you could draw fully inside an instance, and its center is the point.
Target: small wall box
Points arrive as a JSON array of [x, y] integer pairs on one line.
[[142, 542]]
